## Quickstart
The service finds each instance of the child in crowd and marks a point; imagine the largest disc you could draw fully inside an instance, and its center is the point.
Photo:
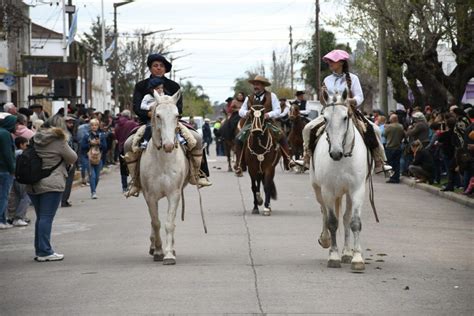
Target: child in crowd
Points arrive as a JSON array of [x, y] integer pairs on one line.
[[19, 199], [154, 85]]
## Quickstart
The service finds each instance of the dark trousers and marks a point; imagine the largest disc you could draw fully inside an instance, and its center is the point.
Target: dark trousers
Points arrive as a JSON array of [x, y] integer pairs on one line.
[[69, 181], [123, 172], [393, 159]]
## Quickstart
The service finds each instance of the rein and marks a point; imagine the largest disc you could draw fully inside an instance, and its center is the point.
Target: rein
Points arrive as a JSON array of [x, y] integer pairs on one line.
[[160, 146]]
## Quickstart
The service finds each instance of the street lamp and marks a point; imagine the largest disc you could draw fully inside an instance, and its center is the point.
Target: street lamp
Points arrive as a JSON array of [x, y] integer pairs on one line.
[[172, 59], [150, 33], [116, 5]]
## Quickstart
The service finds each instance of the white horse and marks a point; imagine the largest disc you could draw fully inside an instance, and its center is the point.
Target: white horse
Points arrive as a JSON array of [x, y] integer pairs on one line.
[[339, 168], [164, 170]]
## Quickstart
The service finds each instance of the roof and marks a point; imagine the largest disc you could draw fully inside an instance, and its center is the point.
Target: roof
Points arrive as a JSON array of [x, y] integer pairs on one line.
[[38, 31]]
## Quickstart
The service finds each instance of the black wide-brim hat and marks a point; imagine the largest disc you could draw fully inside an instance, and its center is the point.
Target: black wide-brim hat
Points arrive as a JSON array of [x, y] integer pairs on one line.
[[298, 93], [36, 106], [157, 57]]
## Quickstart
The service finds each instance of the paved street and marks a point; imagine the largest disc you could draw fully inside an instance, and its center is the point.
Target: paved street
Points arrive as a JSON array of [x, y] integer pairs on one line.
[[419, 257]]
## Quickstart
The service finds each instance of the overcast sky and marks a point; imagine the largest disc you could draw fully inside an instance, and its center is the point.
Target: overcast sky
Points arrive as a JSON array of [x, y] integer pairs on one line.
[[224, 37]]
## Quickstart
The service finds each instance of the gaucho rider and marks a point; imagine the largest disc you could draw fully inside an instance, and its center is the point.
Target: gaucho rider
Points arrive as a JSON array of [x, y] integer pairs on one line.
[[272, 111], [338, 81], [159, 66], [301, 103]]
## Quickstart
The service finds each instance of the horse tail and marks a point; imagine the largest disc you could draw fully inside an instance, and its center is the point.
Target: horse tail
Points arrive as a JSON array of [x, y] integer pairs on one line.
[[273, 190]]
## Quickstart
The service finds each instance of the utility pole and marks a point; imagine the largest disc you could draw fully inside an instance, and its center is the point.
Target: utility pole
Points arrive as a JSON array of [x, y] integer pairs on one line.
[[64, 45], [382, 61], [291, 57], [318, 50]]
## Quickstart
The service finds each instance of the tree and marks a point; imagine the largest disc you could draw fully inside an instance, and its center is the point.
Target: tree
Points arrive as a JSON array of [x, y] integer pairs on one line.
[[280, 71], [195, 101], [413, 31], [93, 41]]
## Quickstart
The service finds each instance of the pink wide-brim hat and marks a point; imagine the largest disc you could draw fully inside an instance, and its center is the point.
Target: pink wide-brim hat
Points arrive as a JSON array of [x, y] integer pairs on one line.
[[336, 55]]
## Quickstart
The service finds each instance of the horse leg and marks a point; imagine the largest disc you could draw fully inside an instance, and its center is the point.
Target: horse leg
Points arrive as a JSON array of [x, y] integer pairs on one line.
[[257, 199], [347, 253], [156, 249], [270, 191], [228, 152], [333, 221], [357, 263], [324, 239], [173, 202]]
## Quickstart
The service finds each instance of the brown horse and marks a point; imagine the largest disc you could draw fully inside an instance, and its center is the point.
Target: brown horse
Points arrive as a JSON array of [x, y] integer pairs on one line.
[[229, 131], [295, 138], [261, 156]]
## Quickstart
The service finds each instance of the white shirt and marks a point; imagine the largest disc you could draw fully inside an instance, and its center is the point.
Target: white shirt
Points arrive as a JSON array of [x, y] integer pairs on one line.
[[147, 102], [285, 111], [335, 83], [276, 110]]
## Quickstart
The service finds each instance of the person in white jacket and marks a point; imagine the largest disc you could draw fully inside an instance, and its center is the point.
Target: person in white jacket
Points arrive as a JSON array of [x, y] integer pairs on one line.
[[340, 80]]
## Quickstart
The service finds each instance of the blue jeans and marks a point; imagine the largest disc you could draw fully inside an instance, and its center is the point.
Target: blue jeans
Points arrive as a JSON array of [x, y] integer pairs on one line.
[[6, 181], [46, 205], [95, 174], [393, 159]]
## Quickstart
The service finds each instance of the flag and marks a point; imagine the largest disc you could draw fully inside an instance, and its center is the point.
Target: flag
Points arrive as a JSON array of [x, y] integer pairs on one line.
[[110, 50], [72, 30]]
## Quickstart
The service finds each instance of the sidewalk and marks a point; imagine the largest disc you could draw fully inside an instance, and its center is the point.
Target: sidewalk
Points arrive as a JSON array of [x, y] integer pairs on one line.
[[456, 197]]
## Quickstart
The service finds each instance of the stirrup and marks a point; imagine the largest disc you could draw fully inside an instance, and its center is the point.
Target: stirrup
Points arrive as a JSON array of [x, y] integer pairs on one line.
[[132, 191], [238, 171]]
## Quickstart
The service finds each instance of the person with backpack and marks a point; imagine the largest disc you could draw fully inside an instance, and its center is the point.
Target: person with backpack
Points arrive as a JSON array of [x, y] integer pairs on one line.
[[51, 147], [94, 144], [7, 163]]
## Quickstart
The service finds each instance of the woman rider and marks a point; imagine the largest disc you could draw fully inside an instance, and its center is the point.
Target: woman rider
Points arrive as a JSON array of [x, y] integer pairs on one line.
[[159, 66], [338, 81]]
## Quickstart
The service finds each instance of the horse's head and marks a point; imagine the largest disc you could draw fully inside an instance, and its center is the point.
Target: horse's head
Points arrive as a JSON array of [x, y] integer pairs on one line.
[[337, 117], [165, 121], [294, 111]]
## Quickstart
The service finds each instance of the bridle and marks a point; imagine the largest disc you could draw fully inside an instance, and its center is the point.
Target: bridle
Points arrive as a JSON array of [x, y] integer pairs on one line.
[[257, 126], [159, 146], [349, 117]]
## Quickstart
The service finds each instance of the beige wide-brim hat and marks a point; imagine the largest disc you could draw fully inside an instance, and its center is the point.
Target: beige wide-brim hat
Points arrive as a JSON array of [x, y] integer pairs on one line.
[[260, 79]]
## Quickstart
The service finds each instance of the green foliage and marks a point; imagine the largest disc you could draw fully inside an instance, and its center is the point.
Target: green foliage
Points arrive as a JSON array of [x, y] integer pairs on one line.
[[195, 102], [93, 40]]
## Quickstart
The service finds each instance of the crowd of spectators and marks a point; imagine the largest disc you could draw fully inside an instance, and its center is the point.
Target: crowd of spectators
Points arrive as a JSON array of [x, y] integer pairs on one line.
[[430, 145]]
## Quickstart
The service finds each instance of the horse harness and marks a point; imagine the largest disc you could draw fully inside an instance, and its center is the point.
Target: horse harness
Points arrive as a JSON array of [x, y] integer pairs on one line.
[[350, 116], [258, 126]]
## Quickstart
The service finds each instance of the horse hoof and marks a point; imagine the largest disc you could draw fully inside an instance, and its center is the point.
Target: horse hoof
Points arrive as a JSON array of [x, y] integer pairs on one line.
[[325, 243], [259, 199], [267, 211], [169, 261], [346, 259], [158, 257], [151, 251], [255, 211], [334, 263], [357, 266]]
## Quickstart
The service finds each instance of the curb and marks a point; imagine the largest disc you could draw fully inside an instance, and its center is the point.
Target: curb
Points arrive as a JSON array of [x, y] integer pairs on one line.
[[455, 197]]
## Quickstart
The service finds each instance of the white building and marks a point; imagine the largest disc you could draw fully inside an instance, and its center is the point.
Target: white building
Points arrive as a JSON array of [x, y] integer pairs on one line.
[[101, 89], [14, 43]]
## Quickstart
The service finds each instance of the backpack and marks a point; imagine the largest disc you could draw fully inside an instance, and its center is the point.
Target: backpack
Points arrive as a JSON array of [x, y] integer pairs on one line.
[[94, 155], [29, 167]]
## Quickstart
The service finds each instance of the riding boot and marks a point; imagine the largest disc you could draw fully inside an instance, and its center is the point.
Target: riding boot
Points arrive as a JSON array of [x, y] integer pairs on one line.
[[288, 163], [239, 166], [197, 177], [132, 158]]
